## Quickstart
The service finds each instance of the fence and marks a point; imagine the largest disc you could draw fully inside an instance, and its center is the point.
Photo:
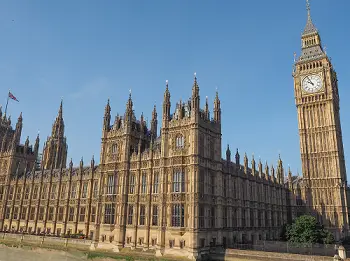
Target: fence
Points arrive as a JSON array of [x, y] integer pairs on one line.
[[290, 248]]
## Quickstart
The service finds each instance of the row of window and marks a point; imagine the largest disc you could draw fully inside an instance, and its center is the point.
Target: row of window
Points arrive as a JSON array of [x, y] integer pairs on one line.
[[178, 183], [17, 214], [53, 191], [177, 214]]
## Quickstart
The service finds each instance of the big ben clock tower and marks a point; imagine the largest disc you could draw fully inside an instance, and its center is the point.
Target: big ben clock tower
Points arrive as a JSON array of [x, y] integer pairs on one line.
[[321, 145]]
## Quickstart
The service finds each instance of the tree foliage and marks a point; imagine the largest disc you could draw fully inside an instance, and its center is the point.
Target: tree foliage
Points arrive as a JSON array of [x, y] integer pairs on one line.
[[305, 229]]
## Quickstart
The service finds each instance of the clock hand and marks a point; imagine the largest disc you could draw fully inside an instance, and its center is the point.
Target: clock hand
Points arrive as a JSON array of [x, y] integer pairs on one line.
[[309, 80]]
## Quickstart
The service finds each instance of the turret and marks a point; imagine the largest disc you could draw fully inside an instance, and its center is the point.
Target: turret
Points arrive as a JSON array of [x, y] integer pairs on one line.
[[81, 165], [17, 135], [0, 112], [280, 171], [195, 99], [154, 123], [206, 109], [58, 126], [92, 163], [55, 149], [260, 169], [36, 146], [237, 158], [267, 171], [290, 179], [253, 166], [228, 154], [245, 164], [107, 117], [273, 174], [217, 108], [166, 105], [129, 109]]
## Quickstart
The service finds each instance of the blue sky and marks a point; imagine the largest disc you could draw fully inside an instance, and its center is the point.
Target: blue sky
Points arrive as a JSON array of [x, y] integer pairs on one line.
[[89, 51]]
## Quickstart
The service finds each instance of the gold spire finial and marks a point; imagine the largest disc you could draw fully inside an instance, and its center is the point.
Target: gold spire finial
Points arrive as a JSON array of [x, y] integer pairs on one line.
[[308, 9]]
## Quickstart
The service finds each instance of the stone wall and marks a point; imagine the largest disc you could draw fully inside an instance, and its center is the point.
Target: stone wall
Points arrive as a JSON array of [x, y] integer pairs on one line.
[[45, 241]]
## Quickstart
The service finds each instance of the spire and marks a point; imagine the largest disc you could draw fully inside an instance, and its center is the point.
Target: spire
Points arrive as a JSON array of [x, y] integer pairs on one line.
[[58, 126], [206, 109], [311, 40], [253, 165], [237, 158], [217, 107], [107, 117], [154, 123], [36, 146], [309, 28], [228, 153], [245, 163], [195, 98], [166, 104], [60, 111]]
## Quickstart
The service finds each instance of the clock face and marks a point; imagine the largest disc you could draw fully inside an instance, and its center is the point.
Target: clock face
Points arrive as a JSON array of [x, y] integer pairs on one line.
[[312, 83]]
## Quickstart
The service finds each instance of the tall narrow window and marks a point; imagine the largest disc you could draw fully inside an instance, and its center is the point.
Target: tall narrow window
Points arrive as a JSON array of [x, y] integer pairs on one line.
[[41, 213], [132, 184], [7, 213], [32, 213], [19, 193], [234, 217], [50, 216], [225, 217], [26, 192], [63, 191], [1, 192], [212, 217], [251, 218], [155, 215], [15, 213], [156, 183], [11, 193], [84, 190], [178, 181], [110, 185], [144, 183], [73, 191], [71, 214], [95, 189], [82, 214], [44, 191], [93, 214], [212, 183], [142, 215], [201, 217], [60, 213], [23, 213], [53, 191], [180, 142], [178, 215], [130, 214], [109, 213], [201, 182], [224, 187]]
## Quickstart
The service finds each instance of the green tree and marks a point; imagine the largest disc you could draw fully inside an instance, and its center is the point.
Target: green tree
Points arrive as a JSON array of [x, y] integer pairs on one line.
[[305, 229]]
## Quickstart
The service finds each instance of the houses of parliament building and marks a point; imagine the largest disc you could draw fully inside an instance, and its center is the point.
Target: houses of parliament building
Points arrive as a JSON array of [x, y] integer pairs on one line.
[[173, 192]]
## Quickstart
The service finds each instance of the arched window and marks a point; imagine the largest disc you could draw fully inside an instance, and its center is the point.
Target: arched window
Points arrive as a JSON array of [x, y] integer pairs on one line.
[[114, 149], [180, 142]]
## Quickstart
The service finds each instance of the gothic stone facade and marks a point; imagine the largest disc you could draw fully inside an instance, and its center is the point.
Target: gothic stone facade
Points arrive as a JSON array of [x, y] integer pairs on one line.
[[170, 192]]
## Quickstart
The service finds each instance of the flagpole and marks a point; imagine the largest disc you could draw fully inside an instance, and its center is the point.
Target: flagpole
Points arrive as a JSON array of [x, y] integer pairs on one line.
[[7, 102]]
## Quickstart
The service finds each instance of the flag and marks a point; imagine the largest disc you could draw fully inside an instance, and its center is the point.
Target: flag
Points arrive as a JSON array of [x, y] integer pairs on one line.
[[11, 96]]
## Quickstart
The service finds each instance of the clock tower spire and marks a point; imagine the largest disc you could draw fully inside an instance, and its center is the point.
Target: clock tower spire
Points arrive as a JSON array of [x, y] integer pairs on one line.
[[321, 144]]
